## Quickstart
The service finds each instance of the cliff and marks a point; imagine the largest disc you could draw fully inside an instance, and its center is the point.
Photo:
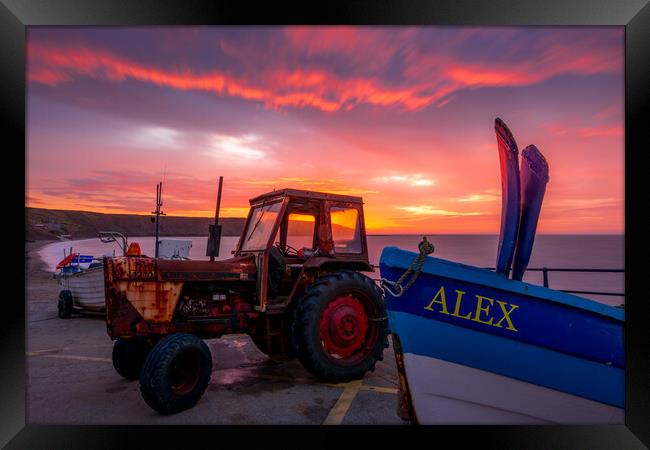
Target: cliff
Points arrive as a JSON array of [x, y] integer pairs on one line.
[[42, 224]]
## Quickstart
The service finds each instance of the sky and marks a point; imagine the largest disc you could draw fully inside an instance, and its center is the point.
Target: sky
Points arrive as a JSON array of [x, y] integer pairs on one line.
[[401, 116]]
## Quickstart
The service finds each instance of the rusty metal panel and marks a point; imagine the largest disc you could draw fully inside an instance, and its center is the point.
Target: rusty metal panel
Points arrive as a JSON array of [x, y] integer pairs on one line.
[[234, 269], [155, 301], [133, 268], [121, 316], [134, 280]]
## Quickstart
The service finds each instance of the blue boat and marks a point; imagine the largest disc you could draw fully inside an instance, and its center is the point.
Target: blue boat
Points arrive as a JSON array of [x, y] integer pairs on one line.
[[475, 347]]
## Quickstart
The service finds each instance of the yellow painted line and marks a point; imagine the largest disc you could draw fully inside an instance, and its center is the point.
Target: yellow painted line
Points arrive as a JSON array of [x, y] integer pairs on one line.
[[364, 387], [342, 405], [385, 390], [49, 350], [80, 358]]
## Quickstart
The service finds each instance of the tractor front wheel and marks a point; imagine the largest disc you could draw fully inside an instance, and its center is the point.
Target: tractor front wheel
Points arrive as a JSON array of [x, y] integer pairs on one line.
[[129, 356], [176, 373], [341, 327]]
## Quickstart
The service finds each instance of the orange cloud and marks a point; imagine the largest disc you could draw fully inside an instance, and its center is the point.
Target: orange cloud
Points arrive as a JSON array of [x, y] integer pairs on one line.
[[425, 210]]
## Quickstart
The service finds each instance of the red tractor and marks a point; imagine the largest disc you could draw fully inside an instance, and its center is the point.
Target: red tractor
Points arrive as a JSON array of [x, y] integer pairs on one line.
[[294, 284]]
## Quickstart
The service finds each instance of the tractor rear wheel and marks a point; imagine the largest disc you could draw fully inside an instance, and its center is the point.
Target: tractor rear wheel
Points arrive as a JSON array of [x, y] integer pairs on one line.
[[65, 304], [341, 327], [129, 356], [176, 373]]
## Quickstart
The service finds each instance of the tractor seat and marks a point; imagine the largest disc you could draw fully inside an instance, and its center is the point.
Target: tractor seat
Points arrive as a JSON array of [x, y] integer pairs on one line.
[[277, 266]]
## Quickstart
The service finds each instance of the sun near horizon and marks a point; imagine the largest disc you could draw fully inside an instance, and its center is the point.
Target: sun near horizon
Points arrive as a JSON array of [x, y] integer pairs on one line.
[[400, 116]]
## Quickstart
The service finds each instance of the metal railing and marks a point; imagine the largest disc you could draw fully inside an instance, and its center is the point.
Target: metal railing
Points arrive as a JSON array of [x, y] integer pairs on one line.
[[546, 270]]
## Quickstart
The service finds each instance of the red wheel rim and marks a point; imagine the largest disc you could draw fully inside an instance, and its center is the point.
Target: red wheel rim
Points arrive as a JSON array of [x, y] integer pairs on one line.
[[184, 373], [344, 328]]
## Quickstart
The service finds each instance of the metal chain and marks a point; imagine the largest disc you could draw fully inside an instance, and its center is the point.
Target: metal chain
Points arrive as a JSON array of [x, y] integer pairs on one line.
[[426, 248]]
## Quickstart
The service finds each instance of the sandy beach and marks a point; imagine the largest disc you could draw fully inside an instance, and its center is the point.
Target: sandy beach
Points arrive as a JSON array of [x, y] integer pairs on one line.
[[40, 285]]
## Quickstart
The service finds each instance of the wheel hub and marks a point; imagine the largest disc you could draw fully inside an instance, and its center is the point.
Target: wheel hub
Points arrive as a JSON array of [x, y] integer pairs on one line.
[[343, 326], [184, 373]]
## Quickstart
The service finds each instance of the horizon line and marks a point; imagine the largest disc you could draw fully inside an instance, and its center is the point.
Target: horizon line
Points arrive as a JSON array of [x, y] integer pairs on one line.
[[379, 233]]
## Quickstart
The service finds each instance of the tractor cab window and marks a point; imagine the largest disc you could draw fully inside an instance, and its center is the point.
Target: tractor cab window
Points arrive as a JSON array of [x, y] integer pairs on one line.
[[300, 231], [345, 230], [260, 226]]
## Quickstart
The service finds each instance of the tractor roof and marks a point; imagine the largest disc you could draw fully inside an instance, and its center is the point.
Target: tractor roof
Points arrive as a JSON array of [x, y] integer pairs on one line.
[[298, 193]]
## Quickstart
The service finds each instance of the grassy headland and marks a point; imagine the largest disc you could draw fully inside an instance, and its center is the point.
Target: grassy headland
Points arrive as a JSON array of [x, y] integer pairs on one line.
[[47, 224]]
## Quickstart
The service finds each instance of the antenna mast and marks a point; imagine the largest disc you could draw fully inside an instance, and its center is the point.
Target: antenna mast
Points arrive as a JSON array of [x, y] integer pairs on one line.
[[158, 213]]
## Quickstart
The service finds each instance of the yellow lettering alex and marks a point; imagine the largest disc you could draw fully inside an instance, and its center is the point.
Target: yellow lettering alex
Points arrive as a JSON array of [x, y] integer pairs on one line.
[[442, 302], [480, 309], [456, 313], [506, 315]]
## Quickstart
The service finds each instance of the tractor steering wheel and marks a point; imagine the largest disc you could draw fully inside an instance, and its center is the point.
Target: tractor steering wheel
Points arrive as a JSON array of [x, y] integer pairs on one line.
[[286, 249]]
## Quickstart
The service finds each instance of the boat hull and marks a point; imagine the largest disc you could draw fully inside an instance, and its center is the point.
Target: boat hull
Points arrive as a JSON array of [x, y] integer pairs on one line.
[[87, 288], [450, 393], [546, 352]]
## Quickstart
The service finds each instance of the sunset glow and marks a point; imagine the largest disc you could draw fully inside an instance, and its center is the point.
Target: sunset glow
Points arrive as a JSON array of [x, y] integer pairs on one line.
[[401, 116]]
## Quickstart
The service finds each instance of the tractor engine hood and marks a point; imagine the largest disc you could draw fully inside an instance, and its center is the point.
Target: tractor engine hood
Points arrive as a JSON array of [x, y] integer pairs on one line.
[[238, 268], [150, 269]]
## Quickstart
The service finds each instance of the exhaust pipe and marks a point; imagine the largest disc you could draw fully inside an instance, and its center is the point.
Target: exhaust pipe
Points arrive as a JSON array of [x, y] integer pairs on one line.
[[214, 231], [510, 196], [534, 177]]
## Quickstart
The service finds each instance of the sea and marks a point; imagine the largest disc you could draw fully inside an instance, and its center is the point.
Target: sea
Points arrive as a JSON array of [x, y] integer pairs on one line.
[[551, 251]]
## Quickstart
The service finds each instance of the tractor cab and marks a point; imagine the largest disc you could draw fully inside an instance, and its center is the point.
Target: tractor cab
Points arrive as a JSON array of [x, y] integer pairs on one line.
[[291, 232]]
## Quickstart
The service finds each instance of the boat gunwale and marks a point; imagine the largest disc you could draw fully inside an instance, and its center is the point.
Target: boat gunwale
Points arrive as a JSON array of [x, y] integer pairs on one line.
[[396, 257]]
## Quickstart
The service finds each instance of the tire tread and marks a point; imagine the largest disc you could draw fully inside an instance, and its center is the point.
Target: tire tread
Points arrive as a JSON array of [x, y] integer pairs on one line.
[[154, 371], [307, 312]]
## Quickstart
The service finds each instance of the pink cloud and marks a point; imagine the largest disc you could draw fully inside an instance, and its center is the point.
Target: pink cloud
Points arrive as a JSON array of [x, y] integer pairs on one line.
[[556, 128], [553, 56], [49, 65], [430, 77], [602, 131]]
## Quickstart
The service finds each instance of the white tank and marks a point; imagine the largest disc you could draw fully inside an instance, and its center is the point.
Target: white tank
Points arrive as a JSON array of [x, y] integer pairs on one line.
[[174, 248]]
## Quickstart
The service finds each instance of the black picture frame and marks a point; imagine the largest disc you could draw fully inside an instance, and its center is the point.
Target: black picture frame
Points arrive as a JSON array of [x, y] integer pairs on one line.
[[634, 15]]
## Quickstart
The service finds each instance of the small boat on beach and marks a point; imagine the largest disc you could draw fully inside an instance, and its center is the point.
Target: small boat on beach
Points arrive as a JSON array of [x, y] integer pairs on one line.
[[86, 288], [476, 347], [81, 278]]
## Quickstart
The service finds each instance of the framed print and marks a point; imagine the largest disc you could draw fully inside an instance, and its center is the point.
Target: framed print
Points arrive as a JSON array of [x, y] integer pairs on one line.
[[372, 214]]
